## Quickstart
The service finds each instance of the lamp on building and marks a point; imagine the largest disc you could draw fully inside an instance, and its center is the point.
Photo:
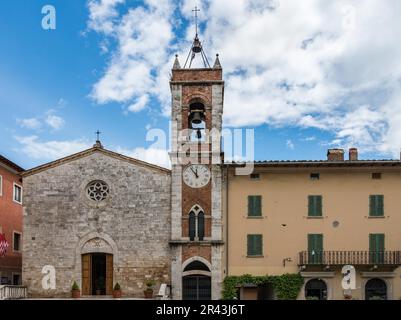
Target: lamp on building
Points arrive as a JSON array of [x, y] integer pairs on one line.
[[286, 260]]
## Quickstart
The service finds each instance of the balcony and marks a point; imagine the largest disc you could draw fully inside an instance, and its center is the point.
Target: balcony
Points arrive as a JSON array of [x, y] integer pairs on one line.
[[377, 259]]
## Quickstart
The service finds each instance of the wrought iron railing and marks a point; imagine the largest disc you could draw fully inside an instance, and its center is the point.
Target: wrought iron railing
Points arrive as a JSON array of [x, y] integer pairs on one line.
[[350, 257], [12, 292]]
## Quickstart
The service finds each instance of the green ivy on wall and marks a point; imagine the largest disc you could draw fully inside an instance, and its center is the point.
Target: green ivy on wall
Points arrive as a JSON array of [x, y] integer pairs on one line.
[[286, 286]]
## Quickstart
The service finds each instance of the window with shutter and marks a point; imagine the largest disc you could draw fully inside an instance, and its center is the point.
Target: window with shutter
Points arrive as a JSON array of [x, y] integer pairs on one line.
[[376, 248], [314, 206], [254, 206], [376, 205], [254, 245], [315, 248]]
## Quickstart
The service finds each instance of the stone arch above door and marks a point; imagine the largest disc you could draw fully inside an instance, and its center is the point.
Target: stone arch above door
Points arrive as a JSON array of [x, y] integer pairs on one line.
[[94, 242], [96, 245]]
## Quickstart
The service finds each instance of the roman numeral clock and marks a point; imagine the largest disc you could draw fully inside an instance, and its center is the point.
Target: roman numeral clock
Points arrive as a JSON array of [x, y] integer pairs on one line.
[[196, 209], [196, 175]]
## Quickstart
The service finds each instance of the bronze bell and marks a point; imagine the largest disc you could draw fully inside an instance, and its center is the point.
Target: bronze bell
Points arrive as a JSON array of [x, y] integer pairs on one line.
[[196, 117], [197, 47]]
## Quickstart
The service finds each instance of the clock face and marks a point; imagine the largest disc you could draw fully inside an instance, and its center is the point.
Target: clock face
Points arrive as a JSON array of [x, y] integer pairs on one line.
[[196, 175]]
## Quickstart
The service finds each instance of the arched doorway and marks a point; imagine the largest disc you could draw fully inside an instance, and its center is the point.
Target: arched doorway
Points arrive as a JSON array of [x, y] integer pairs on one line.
[[316, 289], [97, 274], [196, 282], [97, 257], [376, 289]]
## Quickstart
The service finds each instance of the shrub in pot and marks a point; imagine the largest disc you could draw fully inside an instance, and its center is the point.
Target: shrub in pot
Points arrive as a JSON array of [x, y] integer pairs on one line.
[[149, 289], [117, 291], [75, 292]]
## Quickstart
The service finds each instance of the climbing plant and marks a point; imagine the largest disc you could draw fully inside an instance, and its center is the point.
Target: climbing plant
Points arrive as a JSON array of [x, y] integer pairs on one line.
[[286, 286]]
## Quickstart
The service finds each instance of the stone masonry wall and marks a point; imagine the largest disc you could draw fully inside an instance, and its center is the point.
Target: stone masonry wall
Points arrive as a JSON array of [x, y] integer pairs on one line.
[[134, 221]]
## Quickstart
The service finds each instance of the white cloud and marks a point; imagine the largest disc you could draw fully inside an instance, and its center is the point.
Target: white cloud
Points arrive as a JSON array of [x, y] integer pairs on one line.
[[54, 121], [290, 145], [140, 104], [329, 65], [31, 123], [155, 156], [102, 14], [50, 150], [136, 68]]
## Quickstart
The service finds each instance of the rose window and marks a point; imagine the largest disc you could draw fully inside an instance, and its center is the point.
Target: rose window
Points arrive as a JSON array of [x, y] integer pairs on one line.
[[97, 191]]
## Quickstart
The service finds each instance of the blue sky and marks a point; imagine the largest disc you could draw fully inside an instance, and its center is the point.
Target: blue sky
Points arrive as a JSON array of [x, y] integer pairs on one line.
[[106, 67]]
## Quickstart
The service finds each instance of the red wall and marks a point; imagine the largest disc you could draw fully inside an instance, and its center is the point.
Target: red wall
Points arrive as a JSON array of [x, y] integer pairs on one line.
[[10, 220]]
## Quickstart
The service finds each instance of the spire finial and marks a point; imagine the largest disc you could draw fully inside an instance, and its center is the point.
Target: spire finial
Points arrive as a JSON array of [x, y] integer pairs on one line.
[[196, 10], [217, 64], [98, 144], [176, 63]]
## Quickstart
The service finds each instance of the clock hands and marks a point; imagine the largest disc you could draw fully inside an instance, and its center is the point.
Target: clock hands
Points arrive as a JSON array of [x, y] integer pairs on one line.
[[195, 172]]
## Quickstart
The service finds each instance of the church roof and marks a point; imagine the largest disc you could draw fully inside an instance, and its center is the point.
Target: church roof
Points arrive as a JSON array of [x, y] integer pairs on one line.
[[88, 152]]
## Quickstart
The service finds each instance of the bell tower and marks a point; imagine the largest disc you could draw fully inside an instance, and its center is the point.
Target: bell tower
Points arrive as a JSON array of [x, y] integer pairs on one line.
[[196, 156]]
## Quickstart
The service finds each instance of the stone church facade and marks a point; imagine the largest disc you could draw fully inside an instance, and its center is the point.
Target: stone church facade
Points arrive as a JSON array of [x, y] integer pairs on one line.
[[96, 212]]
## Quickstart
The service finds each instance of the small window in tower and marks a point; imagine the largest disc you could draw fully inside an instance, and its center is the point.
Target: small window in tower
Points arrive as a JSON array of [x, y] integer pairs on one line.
[[315, 176], [376, 176], [255, 176]]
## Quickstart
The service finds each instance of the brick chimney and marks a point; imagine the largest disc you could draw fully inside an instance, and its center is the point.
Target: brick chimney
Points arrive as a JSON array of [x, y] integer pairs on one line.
[[353, 154], [335, 155]]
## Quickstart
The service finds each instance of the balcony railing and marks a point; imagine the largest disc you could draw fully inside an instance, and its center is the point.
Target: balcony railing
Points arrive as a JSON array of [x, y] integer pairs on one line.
[[12, 292], [350, 257]]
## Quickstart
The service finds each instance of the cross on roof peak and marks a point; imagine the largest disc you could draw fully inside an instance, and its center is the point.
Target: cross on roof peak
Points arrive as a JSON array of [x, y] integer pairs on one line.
[[97, 135], [98, 144], [196, 10]]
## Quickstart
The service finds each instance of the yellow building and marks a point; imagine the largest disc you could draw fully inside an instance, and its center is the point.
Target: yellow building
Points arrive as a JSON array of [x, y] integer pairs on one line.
[[314, 217]]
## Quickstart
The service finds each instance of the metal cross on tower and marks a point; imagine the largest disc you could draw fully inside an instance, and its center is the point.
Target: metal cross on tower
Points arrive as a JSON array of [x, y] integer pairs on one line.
[[196, 10], [196, 45]]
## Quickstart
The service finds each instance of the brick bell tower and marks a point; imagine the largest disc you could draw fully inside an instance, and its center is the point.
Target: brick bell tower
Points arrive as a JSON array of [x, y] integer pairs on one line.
[[196, 156]]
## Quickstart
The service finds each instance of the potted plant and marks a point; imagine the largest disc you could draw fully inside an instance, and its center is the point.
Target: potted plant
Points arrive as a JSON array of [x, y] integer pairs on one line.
[[149, 289], [117, 291], [75, 292]]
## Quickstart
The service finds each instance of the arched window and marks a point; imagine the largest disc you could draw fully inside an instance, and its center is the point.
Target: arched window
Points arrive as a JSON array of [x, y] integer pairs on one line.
[[201, 225], [192, 226], [196, 122], [375, 289], [196, 226], [316, 289]]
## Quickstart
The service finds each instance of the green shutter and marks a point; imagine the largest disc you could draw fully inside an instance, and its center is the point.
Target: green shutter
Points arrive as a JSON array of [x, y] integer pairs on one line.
[[255, 245], [376, 247], [314, 206], [376, 205], [318, 204], [258, 205], [254, 206], [315, 248], [380, 205]]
